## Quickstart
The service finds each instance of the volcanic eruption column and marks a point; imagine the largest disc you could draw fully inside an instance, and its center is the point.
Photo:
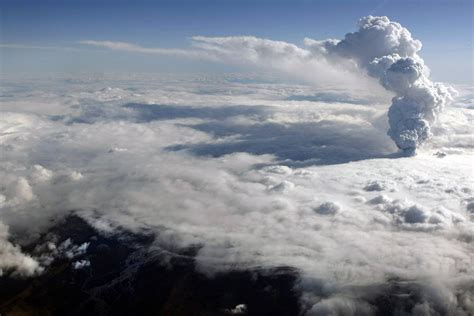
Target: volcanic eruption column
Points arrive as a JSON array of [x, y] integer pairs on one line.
[[388, 52]]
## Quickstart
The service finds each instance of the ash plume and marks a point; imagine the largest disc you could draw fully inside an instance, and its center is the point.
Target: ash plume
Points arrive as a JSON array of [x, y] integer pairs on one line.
[[381, 48], [389, 53]]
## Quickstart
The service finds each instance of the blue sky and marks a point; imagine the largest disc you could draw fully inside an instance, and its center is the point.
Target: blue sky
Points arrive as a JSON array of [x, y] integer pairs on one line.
[[444, 27]]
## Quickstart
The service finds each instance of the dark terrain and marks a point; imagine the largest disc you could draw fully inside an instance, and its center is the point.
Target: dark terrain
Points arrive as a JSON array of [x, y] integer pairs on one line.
[[127, 277], [131, 275]]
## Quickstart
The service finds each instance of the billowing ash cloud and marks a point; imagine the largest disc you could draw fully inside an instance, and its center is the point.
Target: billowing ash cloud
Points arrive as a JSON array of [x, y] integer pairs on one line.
[[388, 52], [381, 48]]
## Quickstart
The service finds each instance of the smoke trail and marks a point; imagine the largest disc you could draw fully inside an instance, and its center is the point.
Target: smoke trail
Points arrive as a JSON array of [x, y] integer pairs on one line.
[[388, 52], [382, 48], [385, 49]]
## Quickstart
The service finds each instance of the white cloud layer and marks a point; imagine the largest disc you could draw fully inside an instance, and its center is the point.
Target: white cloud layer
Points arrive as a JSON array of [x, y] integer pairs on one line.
[[260, 173]]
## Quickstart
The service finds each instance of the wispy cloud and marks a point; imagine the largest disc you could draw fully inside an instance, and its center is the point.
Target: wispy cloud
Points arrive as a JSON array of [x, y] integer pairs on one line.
[[129, 47], [232, 48], [57, 48], [303, 63]]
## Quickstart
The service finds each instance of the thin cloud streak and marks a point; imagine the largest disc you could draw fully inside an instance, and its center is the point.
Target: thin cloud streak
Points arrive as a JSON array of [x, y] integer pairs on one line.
[[39, 47], [129, 47]]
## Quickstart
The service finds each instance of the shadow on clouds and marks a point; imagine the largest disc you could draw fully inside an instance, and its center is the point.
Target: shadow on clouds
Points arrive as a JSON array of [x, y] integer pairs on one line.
[[328, 97], [145, 113], [148, 113], [296, 144]]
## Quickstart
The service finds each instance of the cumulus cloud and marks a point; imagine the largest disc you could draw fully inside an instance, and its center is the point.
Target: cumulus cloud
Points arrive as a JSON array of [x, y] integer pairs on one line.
[[69, 250], [341, 306], [81, 264], [374, 186], [328, 208], [12, 260], [240, 309]]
